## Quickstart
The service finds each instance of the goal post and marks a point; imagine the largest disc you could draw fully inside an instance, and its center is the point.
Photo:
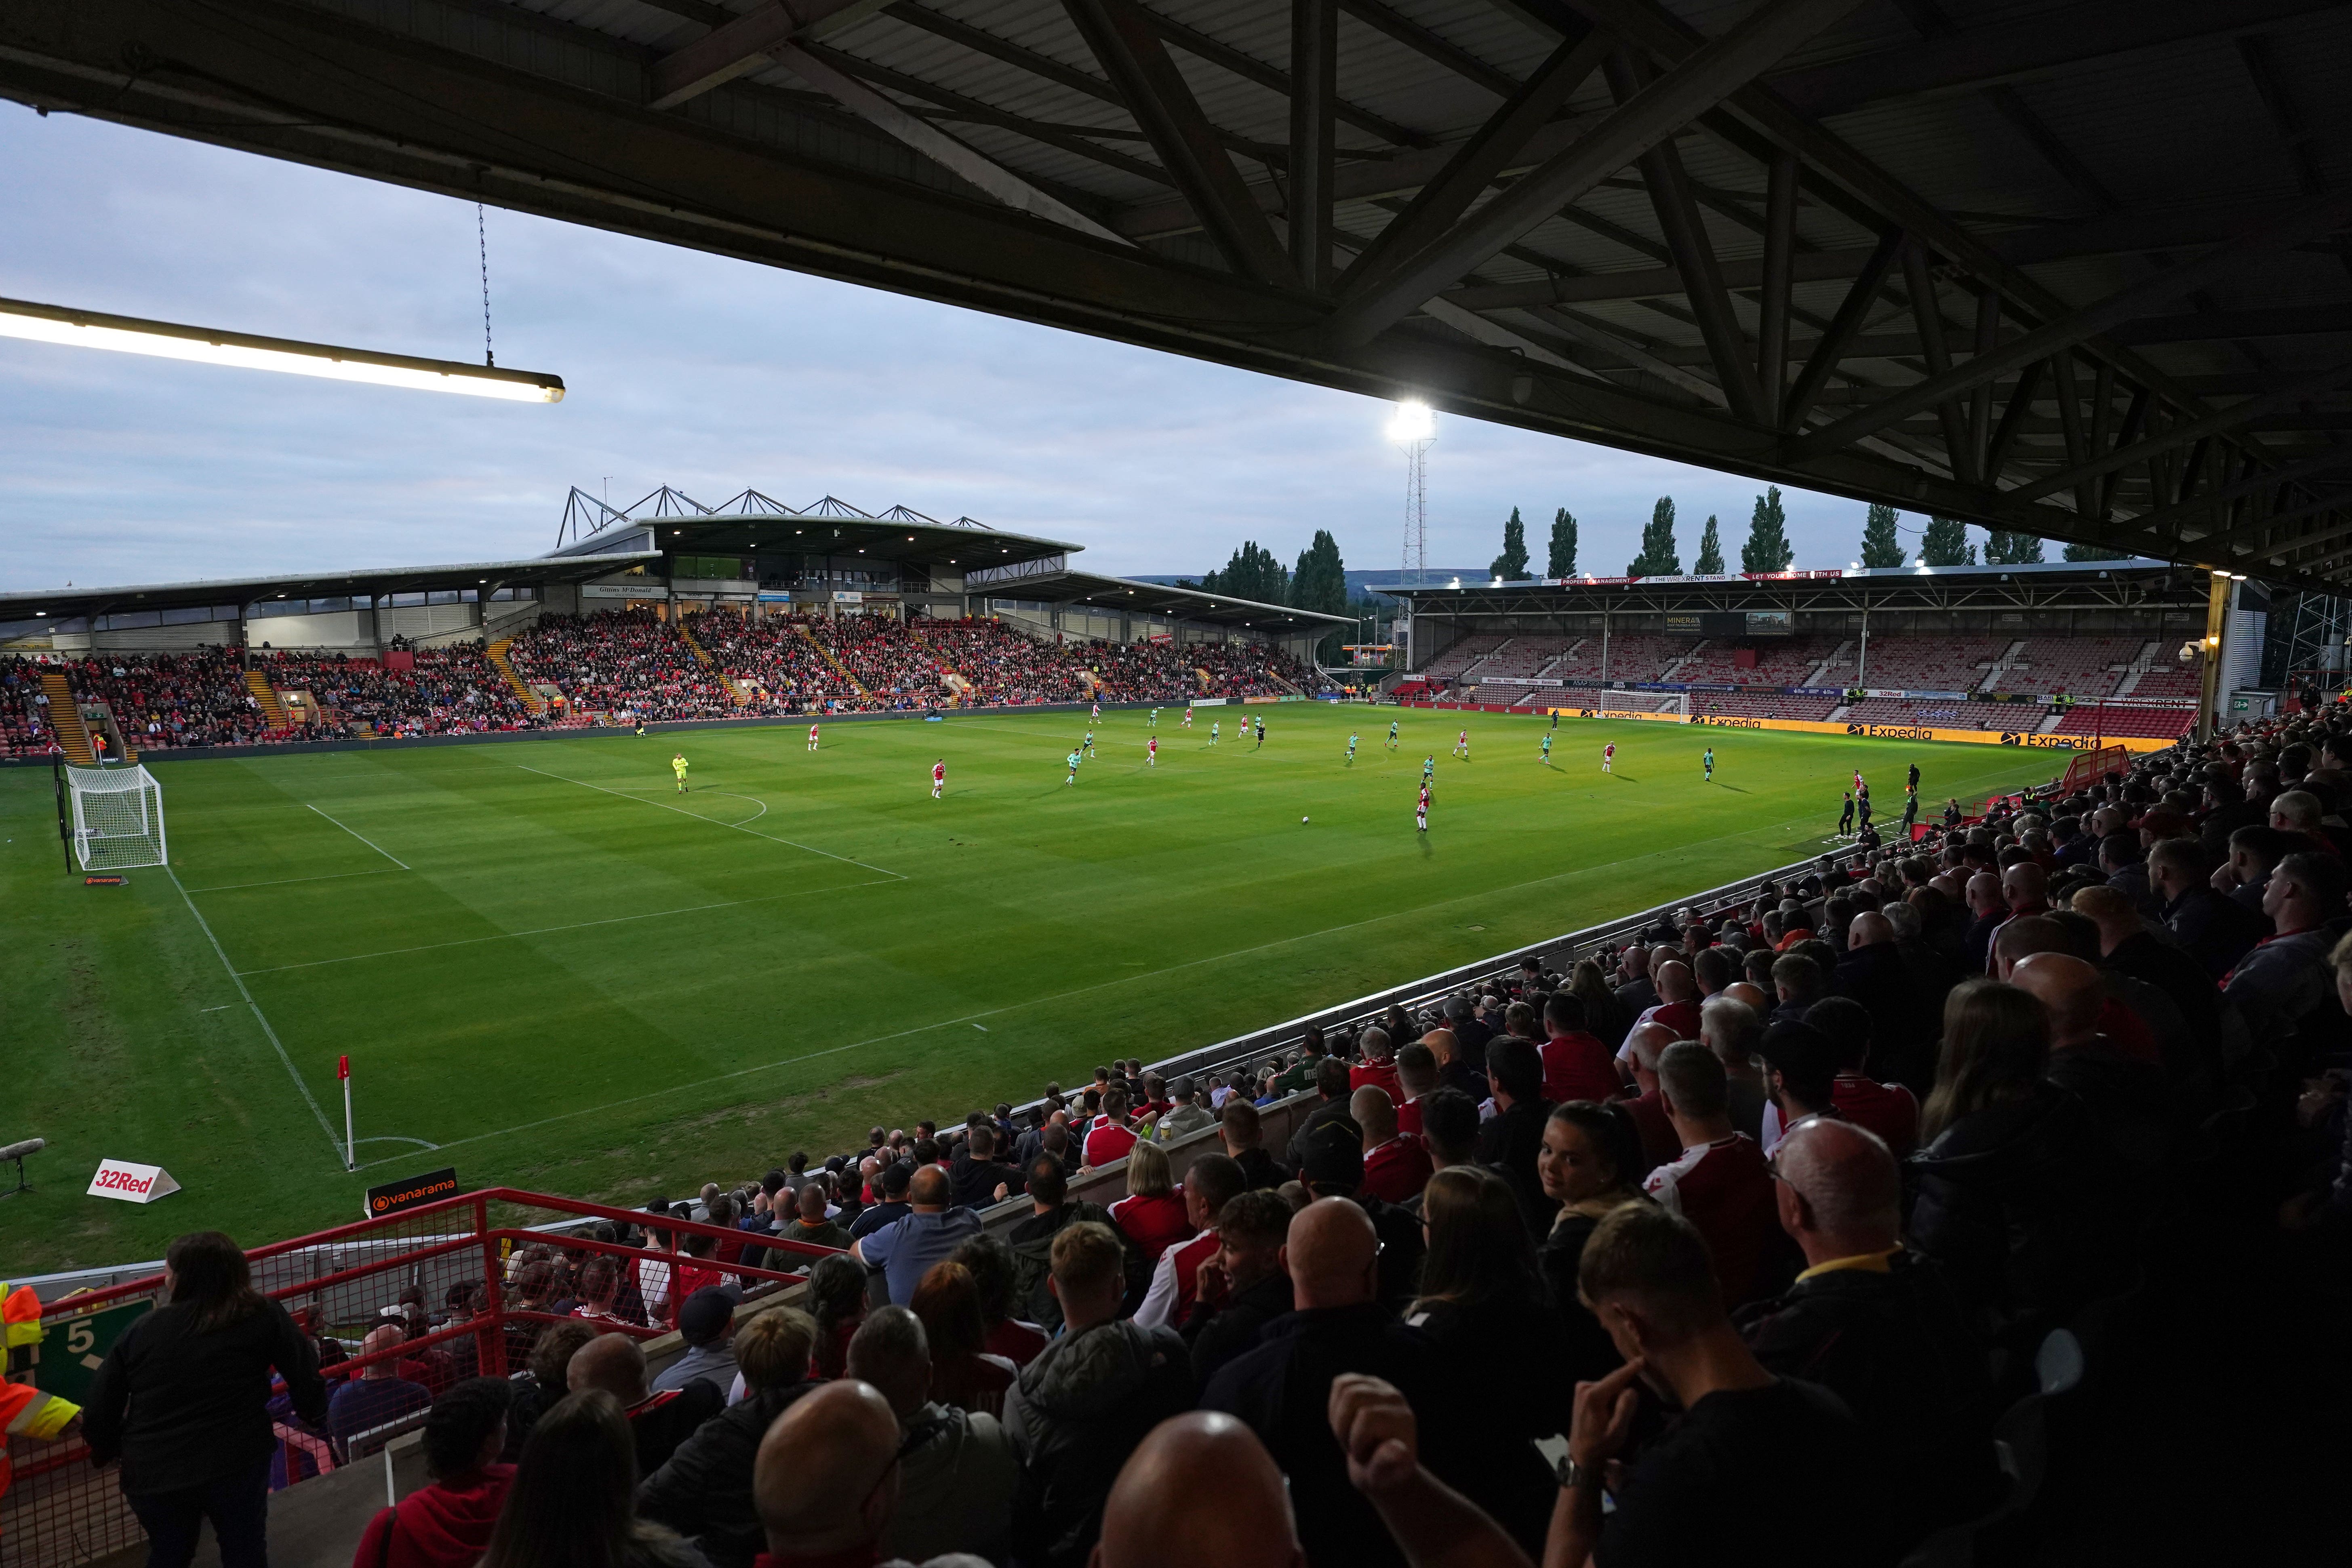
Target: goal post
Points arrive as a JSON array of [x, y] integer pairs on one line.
[[117, 817]]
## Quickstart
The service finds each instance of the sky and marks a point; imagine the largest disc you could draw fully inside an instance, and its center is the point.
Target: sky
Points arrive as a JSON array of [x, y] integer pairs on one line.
[[702, 373]]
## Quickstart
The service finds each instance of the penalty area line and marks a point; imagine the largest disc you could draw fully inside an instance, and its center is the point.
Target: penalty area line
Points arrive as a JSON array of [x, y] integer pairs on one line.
[[333, 1143], [736, 827], [364, 839]]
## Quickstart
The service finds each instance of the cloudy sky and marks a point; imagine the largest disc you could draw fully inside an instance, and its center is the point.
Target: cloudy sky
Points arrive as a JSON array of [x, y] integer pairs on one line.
[[704, 374]]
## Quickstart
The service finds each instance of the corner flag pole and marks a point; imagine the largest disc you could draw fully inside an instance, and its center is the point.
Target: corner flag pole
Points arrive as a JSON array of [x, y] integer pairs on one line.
[[351, 1144]]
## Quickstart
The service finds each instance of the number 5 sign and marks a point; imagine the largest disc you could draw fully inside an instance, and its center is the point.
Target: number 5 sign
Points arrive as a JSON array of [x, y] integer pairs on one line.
[[73, 1349]]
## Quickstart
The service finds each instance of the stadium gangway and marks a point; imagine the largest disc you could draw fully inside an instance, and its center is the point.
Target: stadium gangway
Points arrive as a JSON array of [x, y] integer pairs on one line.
[[61, 1510]]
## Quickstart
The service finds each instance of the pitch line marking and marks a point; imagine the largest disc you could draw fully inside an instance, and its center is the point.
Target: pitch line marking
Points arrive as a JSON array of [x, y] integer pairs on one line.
[[289, 882], [1062, 997], [333, 1143], [737, 826], [584, 925], [365, 839]]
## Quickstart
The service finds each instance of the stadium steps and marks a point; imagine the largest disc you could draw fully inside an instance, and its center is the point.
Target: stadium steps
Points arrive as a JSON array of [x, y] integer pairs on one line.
[[1668, 673], [64, 718], [496, 654], [1562, 657], [2124, 686], [272, 708], [825, 654], [701, 655]]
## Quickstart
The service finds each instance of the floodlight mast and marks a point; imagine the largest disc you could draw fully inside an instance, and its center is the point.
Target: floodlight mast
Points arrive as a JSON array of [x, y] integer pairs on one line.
[[1413, 427]]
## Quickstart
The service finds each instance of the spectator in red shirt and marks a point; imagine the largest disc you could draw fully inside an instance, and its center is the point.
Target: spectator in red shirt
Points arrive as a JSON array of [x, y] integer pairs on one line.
[[1396, 1165], [1416, 1081], [1111, 1137], [448, 1523], [1720, 1183], [1677, 1006], [1888, 1110], [1152, 1214], [1213, 1180], [1648, 1107], [1577, 1064], [1379, 1067]]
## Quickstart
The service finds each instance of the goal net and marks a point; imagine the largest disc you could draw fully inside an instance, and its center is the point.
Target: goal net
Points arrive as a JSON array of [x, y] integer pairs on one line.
[[118, 817]]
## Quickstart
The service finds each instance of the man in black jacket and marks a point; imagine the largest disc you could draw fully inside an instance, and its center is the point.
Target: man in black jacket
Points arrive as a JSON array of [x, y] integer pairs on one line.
[[1334, 1168], [976, 1173], [1079, 1409], [2216, 931], [1508, 1141], [1033, 1241], [1241, 1130], [1243, 1288], [1877, 1326], [1332, 1083], [1282, 1390]]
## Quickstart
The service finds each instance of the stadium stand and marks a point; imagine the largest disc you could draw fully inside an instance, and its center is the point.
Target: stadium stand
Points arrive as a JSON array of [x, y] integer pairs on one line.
[[2079, 667], [1940, 711], [619, 661], [1761, 705], [1903, 663], [2118, 719], [1774, 661], [1642, 656], [171, 700], [447, 691], [2040, 1195]]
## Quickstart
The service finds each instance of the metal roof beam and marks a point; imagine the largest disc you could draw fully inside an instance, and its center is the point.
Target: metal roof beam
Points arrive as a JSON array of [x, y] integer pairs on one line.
[[1710, 74], [748, 43]]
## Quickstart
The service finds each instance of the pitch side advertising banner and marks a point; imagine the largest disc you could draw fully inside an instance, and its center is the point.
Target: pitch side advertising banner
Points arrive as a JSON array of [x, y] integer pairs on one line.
[[131, 1184], [394, 1196], [2023, 740]]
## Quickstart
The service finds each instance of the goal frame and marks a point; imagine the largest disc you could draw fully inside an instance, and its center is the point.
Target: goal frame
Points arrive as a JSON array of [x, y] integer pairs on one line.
[[83, 829]]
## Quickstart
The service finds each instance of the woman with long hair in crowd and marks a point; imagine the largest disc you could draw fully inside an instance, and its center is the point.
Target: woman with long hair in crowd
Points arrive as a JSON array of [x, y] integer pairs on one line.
[[1604, 1016], [836, 1301], [1151, 1215], [962, 1372], [572, 1503], [1586, 1164], [183, 1400]]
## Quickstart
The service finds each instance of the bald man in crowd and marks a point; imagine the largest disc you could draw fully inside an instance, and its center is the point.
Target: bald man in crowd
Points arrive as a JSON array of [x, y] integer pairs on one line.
[[657, 1422], [826, 1478], [1986, 913], [2024, 892], [1281, 1390], [2126, 1096], [1677, 1006], [1877, 1325], [1156, 1517]]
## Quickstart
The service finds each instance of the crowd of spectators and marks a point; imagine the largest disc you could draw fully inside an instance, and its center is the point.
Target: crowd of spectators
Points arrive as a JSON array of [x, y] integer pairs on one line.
[[447, 691], [159, 699], [630, 662], [24, 710], [1763, 1214]]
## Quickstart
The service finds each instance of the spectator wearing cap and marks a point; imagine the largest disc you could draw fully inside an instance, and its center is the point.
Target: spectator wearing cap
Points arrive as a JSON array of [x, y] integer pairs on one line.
[[1078, 1410], [1214, 1181], [1576, 1064], [1878, 1326], [658, 1423], [1242, 1287], [1186, 1113], [1282, 1389], [1471, 1031], [1331, 1086], [1719, 1182], [1750, 1446], [707, 1323], [957, 1473], [905, 1248], [2285, 975], [704, 1490], [1395, 1164], [448, 1524], [891, 1189]]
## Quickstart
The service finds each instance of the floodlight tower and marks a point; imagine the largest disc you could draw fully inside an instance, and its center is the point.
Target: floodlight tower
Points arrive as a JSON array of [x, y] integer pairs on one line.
[[1413, 427]]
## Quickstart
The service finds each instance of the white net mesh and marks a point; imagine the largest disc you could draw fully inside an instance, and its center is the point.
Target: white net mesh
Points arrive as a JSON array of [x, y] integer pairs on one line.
[[118, 818]]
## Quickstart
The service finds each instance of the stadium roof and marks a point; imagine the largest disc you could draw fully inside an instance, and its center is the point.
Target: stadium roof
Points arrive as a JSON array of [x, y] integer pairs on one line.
[[2103, 584], [484, 575], [752, 521], [2072, 267], [1136, 597]]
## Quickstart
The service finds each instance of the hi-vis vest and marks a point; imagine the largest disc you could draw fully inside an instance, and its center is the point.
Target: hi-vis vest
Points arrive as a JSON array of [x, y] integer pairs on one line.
[[25, 1411]]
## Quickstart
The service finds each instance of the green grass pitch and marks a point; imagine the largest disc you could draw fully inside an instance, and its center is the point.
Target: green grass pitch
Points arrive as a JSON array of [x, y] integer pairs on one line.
[[542, 959]]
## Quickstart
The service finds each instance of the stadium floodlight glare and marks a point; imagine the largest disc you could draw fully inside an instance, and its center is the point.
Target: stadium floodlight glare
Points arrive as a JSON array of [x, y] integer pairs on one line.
[[1413, 422], [169, 340]]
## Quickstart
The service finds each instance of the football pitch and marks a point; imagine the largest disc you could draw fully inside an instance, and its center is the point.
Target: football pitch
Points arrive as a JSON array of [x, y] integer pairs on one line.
[[552, 970]]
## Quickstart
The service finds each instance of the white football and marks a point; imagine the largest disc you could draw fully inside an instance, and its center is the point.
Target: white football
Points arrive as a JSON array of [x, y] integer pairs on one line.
[[1302, 820]]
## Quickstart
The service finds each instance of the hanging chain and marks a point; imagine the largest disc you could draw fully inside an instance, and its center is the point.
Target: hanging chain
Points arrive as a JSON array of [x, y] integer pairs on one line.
[[482, 240]]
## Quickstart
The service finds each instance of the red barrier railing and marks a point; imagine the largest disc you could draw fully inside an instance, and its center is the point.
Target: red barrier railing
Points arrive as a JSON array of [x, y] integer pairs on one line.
[[471, 1281]]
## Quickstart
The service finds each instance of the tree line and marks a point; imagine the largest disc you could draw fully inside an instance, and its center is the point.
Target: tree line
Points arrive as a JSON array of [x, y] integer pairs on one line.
[[1318, 582], [1944, 542]]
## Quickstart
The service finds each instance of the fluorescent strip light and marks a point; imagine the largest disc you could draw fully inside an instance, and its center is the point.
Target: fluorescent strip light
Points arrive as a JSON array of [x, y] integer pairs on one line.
[[166, 340]]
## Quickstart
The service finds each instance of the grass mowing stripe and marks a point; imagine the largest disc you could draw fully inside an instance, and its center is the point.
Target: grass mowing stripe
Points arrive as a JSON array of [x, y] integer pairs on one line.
[[546, 931], [365, 839], [623, 794], [341, 1156]]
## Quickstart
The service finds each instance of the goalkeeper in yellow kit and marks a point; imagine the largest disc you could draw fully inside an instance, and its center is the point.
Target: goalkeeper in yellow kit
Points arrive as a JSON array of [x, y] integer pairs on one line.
[[677, 766]]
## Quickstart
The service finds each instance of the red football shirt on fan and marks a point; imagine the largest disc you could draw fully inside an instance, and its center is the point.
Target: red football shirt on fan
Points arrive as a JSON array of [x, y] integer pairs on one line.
[[1725, 1188], [1682, 1018], [1409, 1116], [1153, 1224], [1396, 1170], [1107, 1142], [1377, 1075], [1579, 1066], [1888, 1110]]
